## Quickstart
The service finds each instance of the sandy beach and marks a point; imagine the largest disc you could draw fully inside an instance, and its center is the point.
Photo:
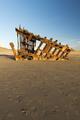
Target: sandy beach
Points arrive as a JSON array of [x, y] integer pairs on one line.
[[39, 90]]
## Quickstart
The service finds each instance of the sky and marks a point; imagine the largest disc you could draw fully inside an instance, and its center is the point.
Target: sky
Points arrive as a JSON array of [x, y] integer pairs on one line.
[[57, 19]]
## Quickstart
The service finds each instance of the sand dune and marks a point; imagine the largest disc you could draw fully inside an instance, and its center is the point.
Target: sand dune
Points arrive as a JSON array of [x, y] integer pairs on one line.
[[5, 51], [39, 90]]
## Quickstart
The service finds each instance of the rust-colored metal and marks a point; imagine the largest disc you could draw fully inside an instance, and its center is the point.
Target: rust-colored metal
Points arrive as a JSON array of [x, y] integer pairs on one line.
[[28, 48]]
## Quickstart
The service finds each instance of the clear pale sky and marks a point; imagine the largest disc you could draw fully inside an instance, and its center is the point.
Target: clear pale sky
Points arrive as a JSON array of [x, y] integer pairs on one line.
[[59, 19]]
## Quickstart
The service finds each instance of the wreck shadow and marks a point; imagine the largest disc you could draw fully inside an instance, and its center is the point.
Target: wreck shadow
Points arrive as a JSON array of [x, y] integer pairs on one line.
[[7, 56]]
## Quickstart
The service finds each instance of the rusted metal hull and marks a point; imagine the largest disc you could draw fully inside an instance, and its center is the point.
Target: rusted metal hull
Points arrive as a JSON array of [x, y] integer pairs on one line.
[[46, 50]]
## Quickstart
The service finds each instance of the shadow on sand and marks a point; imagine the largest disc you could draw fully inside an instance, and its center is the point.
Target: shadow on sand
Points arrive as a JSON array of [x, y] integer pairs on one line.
[[7, 56]]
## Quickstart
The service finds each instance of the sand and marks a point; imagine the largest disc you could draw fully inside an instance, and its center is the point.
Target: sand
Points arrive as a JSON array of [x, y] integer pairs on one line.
[[40, 90]]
